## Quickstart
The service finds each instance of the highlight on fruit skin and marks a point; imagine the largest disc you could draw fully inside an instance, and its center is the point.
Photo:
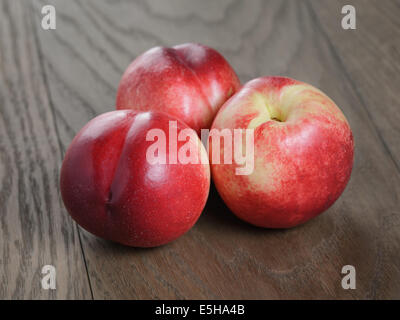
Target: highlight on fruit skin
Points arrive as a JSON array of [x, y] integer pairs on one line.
[[189, 82], [111, 189], [303, 152]]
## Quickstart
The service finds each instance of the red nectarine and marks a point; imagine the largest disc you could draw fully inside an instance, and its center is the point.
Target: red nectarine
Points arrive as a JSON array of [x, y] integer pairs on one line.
[[111, 189], [188, 81], [303, 152]]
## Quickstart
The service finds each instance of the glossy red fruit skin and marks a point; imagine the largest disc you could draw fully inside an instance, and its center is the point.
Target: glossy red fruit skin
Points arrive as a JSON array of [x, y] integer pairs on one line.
[[188, 81], [112, 191]]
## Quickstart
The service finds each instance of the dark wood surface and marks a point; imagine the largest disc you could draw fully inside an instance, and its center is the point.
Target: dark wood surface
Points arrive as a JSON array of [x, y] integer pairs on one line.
[[52, 82]]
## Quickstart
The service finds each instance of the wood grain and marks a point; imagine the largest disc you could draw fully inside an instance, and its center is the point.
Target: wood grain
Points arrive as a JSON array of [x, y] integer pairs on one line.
[[34, 229], [371, 57], [53, 82]]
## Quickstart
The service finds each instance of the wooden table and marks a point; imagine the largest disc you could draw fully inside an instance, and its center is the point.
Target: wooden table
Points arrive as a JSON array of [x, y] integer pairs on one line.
[[52, 82]]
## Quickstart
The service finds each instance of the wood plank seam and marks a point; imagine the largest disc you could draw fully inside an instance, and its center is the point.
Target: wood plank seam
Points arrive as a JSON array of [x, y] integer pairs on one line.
[[337, 57], [51, 104]]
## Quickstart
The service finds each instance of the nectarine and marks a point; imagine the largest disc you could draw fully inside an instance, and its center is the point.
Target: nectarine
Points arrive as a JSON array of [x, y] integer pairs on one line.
[[303, 152], [189, 81], [111, 189]]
